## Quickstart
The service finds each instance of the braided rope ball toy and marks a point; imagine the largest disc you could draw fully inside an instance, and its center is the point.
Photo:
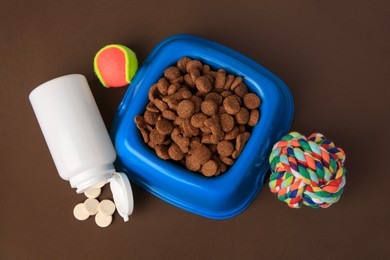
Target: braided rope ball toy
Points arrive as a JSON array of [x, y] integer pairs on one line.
[[307, 170]]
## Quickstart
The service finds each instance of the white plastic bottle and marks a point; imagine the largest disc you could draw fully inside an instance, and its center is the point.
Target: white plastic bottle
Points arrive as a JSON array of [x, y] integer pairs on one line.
[[77, 137]]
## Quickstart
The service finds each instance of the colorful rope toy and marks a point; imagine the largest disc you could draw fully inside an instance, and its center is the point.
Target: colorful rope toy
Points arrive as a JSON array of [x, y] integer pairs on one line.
[[307, 170]]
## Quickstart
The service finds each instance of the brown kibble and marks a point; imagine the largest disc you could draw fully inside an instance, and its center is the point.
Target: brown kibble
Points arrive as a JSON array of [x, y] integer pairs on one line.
[[232, 134], [252, 101], [226, 160], [201, 153], [181, 64], [203, 84], [155, 137], [153, 92], [162, 152], [210, 168], [231, 105], [188, 81], [140, 122], [187, 129], [210, 139], [181, 141], [209, 107], [175, 152], [152, 108], [145, 135], [227, 122], [150, 117], [226, 93], [194, 73], [179, 80], [192, 163], [205, 130], [168, 114], [220, 79], [242, 116], [235, 83], [164, 126], [215, 127], [194, 64], [185, 109], [222, 167], [217, 98], [225, 148], [229, 81], [197, 120], [254, 117], [197, 101], [161, 105], [171, 73], [162, 86], [240, 143], [241, 90], [172, 88], [206, 69]]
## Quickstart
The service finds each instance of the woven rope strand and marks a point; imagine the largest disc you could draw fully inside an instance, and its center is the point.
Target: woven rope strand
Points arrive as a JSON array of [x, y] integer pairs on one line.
[[307, 170]]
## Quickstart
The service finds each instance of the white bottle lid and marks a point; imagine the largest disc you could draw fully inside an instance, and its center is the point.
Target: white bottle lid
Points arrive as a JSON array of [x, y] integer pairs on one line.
[[123, 194]]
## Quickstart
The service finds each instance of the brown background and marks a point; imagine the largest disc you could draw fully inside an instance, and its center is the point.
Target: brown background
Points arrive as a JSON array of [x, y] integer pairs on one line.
[[333, 56]]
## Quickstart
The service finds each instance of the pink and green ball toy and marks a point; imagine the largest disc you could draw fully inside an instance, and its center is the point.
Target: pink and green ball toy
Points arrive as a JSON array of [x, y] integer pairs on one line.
[[115, 65]]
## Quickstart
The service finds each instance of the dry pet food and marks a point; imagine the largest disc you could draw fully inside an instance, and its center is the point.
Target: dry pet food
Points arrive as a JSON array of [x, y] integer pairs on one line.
[[199, 117]]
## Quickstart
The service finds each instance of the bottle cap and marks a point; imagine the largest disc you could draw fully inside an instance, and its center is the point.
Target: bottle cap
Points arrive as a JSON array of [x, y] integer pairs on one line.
[[123, 194]]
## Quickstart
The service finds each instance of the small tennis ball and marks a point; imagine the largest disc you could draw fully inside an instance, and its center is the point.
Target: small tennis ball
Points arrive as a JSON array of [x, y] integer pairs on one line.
[[115, 65]]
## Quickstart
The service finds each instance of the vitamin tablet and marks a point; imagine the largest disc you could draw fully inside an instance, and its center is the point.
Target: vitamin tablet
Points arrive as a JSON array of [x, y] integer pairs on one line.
[[103, 220], [93, 193], [91, 206], [107, 207], [100, 184], [80, 212]]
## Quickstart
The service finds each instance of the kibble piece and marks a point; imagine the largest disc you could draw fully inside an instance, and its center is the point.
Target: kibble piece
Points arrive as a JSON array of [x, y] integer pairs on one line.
[[206, 69], [161, 105], [217, 98], [231, 105], [181, 141], [251, 101], [164, 126], [185, 109], [203, 84], [168, 114], [93, 193], [80, 212], [171, 73], [162, 152], [241, 90], [140, 122], [194, 73], [106, 207], [103, 220], [225, 148], [215, 127], [197, 120], [240, 143], [193, 64], [192, 163], [226, 93], [197, 101], [227, 122], [156, 138], [162, 86], [150, 117], [235, 83], [181, 64], [229, 81], [209, 107], [152, 108], [205, 130], [173, 88], [91, 205], [220, 79], [254, 117], [188, 81], [210, 168], [226, 160], [175, 152], [179, 79], [242, 116], [153, 92], [145, 135], [201, 153], [232, 134]]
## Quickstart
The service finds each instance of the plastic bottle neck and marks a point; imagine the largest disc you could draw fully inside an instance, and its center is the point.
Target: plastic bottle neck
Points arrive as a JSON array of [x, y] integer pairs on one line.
[[90, 178]]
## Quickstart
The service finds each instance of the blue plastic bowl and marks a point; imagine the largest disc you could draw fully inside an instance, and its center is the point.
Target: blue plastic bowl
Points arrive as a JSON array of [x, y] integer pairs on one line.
[[218, 197]]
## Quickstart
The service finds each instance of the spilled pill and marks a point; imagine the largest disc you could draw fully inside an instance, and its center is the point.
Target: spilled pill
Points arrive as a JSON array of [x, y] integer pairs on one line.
[[91, 206], [80, 212], [93, 193], [103, 220], [107, 207]]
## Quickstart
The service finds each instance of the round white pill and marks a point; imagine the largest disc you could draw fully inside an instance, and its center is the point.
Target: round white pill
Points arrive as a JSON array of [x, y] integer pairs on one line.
[[103, 220], [101, 184], [80, 212], [107, 207], [92, 206], [93, 193]]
